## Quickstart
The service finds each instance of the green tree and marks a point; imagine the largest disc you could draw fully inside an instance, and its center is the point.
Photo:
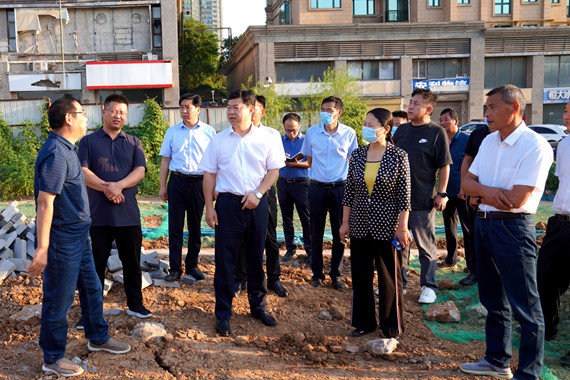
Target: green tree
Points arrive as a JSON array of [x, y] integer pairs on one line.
[[337, 82], [276, 105], [198, 55], [226, 53]]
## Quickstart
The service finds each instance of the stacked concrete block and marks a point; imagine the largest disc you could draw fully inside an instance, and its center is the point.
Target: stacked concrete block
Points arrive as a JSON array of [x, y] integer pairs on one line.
[[17, 239]]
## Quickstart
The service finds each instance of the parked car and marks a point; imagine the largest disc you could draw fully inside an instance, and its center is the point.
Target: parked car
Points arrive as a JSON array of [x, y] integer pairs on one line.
[[551, 132], [468, 128]]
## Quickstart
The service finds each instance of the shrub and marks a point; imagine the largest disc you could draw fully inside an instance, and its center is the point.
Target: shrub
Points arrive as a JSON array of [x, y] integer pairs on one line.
[[552, 181]]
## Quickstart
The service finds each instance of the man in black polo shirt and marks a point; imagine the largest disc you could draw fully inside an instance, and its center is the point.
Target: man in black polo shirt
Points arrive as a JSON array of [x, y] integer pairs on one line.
[[113, 164], [63, 250]]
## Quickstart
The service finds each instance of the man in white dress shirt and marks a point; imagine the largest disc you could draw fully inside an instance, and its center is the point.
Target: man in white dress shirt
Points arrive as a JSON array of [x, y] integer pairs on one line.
[[507, 179], [181, 151], [240, 165]]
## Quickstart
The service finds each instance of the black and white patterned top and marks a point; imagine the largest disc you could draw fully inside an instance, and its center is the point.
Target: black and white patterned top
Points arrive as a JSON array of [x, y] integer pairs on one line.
[[378, 213]]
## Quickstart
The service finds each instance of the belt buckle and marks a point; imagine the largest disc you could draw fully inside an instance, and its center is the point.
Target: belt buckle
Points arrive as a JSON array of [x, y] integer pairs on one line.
[[483, 214], [290, 180], [564, 218]]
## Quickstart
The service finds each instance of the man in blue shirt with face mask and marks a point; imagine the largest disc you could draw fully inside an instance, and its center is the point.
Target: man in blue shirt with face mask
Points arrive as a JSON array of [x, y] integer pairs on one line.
[[328, 147]]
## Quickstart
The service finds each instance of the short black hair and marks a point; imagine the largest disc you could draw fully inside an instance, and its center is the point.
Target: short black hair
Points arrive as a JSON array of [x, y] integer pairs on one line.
[[261, 99], [333, 99], [452, 113], [400, 113], [293, 116], [429, 97], [196, 99], [115, 98], [247, 96], [58, 110]]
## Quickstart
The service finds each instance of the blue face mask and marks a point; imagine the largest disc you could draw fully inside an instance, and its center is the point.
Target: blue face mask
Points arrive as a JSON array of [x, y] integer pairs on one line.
[[369, 135], [327, 118]]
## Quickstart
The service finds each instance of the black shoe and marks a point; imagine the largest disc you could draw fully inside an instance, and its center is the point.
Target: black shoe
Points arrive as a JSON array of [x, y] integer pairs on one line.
[[338, 284], [469, 280], [565, 360], [139, 311], [308, 262], [278, 288], [265, 318], [197, 274], [79, 325], [173, 276], [358, 332], [238, 287], [223, 327], [318, 283], [289, 255]]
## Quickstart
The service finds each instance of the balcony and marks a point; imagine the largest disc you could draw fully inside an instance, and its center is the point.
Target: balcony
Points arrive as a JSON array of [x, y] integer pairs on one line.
[[396, 16]]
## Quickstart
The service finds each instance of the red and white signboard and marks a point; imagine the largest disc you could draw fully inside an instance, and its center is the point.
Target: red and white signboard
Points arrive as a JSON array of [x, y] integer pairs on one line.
[[130, 74]]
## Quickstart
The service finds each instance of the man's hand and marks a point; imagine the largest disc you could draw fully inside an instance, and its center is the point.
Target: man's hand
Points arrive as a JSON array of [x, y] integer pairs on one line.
[[250, 201], [439, 202], [39, 262], [462, 195], [211, 217], [403, 236], [344, 231], [163, 194], [497, 198]]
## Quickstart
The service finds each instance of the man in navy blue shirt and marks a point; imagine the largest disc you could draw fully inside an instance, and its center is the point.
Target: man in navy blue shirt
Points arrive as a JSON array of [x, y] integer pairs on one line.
[[293, 187], [113, 164], [63, 250]]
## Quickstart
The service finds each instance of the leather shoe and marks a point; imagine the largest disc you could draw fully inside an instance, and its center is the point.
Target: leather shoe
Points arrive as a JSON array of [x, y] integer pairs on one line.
[[358, 332], [469, 280], [223, 327], [288, 256], [318, 283], [278, 288], [173, 276], [338, 284], [265, 318]]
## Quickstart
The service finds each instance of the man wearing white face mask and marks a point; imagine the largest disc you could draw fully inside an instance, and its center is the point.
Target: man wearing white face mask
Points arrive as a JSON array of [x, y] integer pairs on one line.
[[328, 146]]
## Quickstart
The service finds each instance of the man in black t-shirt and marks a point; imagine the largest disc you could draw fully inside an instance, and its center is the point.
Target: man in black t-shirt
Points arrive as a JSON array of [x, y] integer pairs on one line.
[[428, 151]]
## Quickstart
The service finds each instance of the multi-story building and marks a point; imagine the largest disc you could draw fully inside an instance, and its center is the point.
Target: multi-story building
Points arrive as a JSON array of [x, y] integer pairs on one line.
[[208, 12], [89, 49], [458, 48]]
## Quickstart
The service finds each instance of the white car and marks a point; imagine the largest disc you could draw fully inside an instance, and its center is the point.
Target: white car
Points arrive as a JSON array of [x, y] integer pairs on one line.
[[551, 132], [468, 128]]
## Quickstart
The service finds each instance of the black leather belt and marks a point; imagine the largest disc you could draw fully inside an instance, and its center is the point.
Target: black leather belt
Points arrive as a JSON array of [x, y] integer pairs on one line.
[[192, 177], [328, 185], [294, 180], [500, 215], [563, 218], [236, 197]]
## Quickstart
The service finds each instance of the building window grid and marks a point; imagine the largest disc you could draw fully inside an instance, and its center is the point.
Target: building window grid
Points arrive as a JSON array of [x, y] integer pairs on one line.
[[325, 4], [463, 1], [12, 44], [434, 3], [156, 28], [503, 70], [502, 7], [555, 1], [290, 72], [437, 68], [363, 7], [372, 70], [530, 1], [285, 13], [557, 71]]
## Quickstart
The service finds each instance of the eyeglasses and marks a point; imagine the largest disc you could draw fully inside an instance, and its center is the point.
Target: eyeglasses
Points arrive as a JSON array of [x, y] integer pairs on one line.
[[291, 131], [235, 108], [82, 111], [117, 113]]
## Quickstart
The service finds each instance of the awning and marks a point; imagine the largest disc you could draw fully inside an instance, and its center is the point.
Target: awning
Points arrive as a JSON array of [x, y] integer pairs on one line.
[[28, 19]]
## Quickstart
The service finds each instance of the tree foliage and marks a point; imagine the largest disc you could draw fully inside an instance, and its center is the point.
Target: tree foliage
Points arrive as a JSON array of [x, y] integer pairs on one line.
[[276, 105], [337, 82]]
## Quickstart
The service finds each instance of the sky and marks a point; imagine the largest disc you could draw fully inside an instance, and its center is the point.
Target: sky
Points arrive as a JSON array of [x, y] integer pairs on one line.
[[239, 14]]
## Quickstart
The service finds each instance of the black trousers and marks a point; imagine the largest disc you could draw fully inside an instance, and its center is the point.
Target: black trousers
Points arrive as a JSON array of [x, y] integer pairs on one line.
[[295, 195], [455, 208], [185, 198], [552, 272], [272, 265], [365, 254], [128, 241], [234, 226], [322, 200], [470, 252]]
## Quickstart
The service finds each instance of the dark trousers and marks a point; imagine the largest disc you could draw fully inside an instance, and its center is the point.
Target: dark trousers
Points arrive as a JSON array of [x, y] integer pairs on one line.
[[293, 195], [271, 247], [322, 200], [185, 197], [506, 261], [128, 241], [234, 226], [365, 254], [457, 207], [553, 278], [470, 251]]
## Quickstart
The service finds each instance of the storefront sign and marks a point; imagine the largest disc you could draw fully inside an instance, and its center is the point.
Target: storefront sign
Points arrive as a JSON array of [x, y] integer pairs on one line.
[[443, 85], [132, 74], [556, 95]]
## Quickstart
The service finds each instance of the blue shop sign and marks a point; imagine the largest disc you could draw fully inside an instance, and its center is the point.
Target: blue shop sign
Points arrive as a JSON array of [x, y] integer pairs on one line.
[[556, 95], [443, 85]]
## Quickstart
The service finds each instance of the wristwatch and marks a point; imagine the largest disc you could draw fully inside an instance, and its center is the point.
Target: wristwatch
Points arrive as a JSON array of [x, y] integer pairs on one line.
[[258, 194], [478, 200], [443, 195]]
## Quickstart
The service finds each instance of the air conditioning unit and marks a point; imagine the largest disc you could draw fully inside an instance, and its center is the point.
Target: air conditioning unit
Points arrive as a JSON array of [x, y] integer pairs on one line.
[[149, 57], [40, 66]]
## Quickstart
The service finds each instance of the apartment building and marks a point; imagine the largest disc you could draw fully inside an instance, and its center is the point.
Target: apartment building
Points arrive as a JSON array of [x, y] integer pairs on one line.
[[458, 48], [208, 12], [89, 49]]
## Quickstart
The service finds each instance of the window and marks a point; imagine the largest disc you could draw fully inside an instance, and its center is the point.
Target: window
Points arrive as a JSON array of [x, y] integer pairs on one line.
[[156, 28], [463, 1], [557, 71], [555, 1], [433, 3], [300, 71], [436, 68], [500, 71], [502, 7], [12, 46], [530, 1], [362, 7], [396, 10], [372, 70], [323, 4], [285, 14]]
